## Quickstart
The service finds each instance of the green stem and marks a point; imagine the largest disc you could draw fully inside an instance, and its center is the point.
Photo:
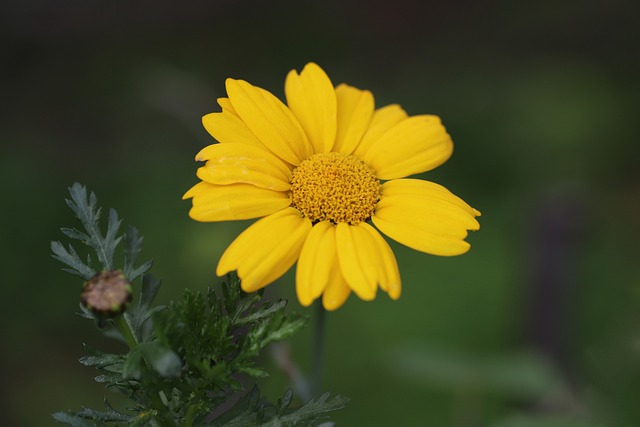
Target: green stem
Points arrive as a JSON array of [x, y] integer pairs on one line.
[[318, 349], [123, 326], [188, 422]]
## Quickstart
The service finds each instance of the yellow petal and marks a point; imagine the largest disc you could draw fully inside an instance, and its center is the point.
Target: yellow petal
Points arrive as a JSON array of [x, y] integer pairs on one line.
[[435, 223], [213, 202], [355, 109], [421, 240], [270, 120], [266, 250], [388, 273], [383, 119], [437, 215], [337, 291], [241, 163], [357, 261], [425, 190], [312, 98], [416, 144], [226, 127], [316, 262], [225, 104]]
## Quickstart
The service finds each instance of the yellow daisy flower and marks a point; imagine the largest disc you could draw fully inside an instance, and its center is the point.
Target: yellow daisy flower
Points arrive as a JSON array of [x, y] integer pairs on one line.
[[320, 170]]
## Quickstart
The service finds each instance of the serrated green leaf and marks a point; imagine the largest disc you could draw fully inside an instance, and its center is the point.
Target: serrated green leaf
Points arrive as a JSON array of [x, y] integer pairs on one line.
[[109, 378], [70, 257], [141, 270], [285, 330], [104, 416], [71, 420], [315, 409], [72, 233], [111, 239], [83, 206], [148, 292], [85, 209], [98, 359], [243, 413], [253, 411], [138, 316], [132, 248], [268, 311]]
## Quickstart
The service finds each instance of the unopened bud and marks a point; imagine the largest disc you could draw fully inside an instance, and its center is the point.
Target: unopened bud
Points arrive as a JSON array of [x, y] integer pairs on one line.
[[106, 294]]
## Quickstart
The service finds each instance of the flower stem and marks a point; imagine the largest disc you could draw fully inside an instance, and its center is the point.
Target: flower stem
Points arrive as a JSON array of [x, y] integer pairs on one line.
[[188, 422], [318, 349], [123, 326]]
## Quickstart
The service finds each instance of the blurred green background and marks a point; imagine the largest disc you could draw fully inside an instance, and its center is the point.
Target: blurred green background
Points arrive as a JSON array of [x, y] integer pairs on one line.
[[538, 325]]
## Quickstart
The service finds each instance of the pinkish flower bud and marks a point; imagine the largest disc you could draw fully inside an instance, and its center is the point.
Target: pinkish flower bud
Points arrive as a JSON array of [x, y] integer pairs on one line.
[[106, 294]]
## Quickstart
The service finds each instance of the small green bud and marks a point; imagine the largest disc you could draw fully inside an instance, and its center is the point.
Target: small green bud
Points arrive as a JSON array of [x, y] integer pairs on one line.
[[106, 294]]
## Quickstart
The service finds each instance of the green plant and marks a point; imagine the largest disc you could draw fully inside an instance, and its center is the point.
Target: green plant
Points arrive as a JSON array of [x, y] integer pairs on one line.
[[185, 362]]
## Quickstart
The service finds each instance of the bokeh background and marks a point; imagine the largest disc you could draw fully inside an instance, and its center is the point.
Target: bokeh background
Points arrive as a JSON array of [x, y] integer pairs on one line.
[[538, 325]]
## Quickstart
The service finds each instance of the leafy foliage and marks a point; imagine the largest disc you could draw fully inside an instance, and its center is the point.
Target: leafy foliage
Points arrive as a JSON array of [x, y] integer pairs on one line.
[[84, 205], [219, 336], [187, 360], [253, 411]]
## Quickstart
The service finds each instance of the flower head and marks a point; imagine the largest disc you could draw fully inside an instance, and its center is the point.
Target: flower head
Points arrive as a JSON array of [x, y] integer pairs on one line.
[[325, 172]]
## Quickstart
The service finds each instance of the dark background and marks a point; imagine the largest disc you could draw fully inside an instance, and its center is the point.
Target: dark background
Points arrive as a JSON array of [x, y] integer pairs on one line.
[[537, 326]]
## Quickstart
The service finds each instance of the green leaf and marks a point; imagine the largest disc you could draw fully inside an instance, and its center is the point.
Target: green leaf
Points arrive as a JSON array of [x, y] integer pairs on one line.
[[85, 209], [262, 314], [82, 417], [109, 378], [284, 402], [70, 257], [111, 240], [85, 312], [253, 371], [75, 234], [132, 248], [253, 411], [89, 215], [139, 316], [314, 410], [133, 364], [105, 416], [71, 420], [150, 288], [163, 360], [285, 329], [98, 359]]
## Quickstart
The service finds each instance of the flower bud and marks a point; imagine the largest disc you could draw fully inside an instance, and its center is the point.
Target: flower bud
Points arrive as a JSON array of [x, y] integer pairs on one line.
[[106, 294]]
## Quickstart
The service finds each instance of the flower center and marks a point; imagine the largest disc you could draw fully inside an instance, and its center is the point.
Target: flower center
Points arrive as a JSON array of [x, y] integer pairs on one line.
[[335, 187]]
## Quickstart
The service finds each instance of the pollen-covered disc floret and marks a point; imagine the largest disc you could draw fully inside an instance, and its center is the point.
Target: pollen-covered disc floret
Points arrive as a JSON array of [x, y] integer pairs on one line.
[[335, 187]]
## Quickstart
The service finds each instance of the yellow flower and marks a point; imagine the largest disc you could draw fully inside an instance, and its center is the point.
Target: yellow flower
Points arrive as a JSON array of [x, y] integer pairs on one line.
[[320, 170]]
